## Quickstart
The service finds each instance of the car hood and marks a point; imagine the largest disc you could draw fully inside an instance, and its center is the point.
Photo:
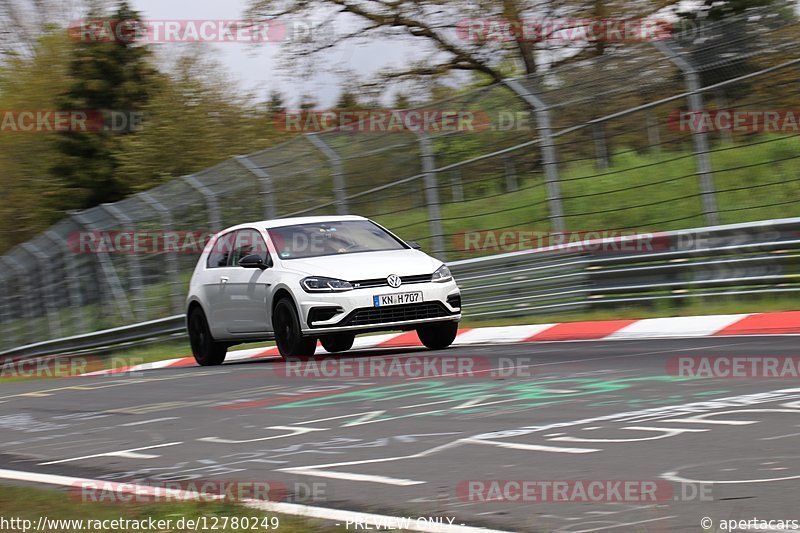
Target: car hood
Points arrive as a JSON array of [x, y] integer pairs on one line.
[[365, 265]]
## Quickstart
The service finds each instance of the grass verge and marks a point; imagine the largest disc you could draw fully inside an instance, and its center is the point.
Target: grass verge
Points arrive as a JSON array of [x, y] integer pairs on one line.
[[26, 503]]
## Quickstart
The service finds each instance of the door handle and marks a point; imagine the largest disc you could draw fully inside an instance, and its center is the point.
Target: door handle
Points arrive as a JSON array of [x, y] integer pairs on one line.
[[223, 279]]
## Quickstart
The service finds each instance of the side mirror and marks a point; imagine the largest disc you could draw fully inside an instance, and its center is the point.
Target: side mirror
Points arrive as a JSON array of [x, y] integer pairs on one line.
[[414, 244], [252, 261]]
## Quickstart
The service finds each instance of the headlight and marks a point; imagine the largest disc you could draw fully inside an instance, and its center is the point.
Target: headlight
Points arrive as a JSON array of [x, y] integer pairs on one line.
[[442, 274], [320, 284]]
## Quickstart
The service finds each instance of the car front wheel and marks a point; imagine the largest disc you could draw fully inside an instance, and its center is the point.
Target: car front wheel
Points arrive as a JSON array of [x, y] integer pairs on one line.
[[206, 351], [337, 342], [288, 335], [438, 336]]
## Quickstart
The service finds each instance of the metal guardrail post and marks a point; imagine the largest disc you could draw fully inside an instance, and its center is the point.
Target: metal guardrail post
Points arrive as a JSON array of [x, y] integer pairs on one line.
[[134, 265], [172, 258], [110, 273], [214, 218], [701, 147], [549, 159], [265, 181], [10, 334], [337, 172], [26, 311], [432, 195], [72, 279], [49, 295]]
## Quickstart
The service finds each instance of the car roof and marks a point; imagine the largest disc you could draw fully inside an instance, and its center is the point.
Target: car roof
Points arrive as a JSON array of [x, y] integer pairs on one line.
[[291, 221]]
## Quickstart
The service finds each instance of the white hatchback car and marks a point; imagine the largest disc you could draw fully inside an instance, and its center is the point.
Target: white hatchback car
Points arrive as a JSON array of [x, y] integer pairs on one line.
[[296, 280]]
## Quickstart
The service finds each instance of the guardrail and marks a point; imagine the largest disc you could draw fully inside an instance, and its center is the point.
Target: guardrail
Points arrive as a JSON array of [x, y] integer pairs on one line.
[[737, 259]]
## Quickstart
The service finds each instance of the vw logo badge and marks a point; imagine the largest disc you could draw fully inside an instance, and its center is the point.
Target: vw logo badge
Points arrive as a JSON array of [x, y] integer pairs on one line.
[[394, 280]]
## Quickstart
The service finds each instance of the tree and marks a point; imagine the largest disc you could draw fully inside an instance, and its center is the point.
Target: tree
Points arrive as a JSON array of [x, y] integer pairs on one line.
[[448, 37], [108, 76], [275, 104]]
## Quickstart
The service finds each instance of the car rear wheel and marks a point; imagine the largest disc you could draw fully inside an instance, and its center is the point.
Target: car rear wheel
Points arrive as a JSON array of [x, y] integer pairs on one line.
[[206, 351], [438, 336], [288, 335], [337, 342]]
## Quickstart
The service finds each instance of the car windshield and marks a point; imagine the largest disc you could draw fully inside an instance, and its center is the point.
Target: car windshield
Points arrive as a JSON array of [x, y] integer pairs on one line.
[[331, 238]]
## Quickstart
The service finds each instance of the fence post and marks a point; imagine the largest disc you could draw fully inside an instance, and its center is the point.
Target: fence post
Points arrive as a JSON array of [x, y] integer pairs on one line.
[[432, 195], [549, 160], [701, 148], [110, 273], [653, 135], [48, 294], [337, 172], [600, 146], [72, 279], [456, 185], [135, 274], [512, 185], [214, 218], [265, 181], [172, 258]]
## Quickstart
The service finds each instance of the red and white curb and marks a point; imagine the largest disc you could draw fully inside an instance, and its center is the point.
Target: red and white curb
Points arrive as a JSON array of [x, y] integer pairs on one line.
[[779, 323]]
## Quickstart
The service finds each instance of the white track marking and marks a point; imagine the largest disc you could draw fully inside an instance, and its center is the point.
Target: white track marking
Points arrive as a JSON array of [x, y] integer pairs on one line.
[[670, 411], [118, 453], [142, 422], [318, 469], [294, 509], [530, 447], [293, 431], [350, 476], [613, 526]]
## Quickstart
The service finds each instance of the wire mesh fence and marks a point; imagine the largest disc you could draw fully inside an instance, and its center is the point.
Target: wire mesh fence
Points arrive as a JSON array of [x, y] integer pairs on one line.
[[652, 136]]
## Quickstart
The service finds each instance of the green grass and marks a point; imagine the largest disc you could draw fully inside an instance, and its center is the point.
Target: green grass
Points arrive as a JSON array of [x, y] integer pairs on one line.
[[647, 192], [31, 503]]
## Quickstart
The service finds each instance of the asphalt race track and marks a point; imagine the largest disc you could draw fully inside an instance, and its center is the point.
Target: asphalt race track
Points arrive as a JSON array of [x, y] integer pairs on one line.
[[585, 411]]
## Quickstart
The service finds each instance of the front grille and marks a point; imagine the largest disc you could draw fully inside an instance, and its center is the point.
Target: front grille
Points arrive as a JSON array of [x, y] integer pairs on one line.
[[381, 282], [395, 313]]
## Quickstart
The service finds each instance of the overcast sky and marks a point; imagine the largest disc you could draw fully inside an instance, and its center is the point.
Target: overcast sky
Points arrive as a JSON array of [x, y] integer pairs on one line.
[[256, 66]]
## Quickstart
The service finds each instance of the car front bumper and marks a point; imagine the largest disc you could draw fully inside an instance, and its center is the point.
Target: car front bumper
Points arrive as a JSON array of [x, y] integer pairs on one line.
[[355, 310]]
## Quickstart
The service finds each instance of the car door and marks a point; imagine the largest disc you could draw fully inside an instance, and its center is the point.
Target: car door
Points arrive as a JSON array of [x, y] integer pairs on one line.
[[215, 276], [245, 292]]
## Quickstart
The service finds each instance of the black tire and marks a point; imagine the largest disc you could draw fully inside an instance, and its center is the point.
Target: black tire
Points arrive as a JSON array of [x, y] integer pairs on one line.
[[288, 335], [337, 342], [206, 351], [438, 336]]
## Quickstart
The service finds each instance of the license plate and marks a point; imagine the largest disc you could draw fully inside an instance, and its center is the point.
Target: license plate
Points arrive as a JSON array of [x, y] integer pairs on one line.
[[397, 299]]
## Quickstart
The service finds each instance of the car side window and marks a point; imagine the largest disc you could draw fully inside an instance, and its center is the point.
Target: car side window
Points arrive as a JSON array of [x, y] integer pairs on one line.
[[221, 252], [249, 241]]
